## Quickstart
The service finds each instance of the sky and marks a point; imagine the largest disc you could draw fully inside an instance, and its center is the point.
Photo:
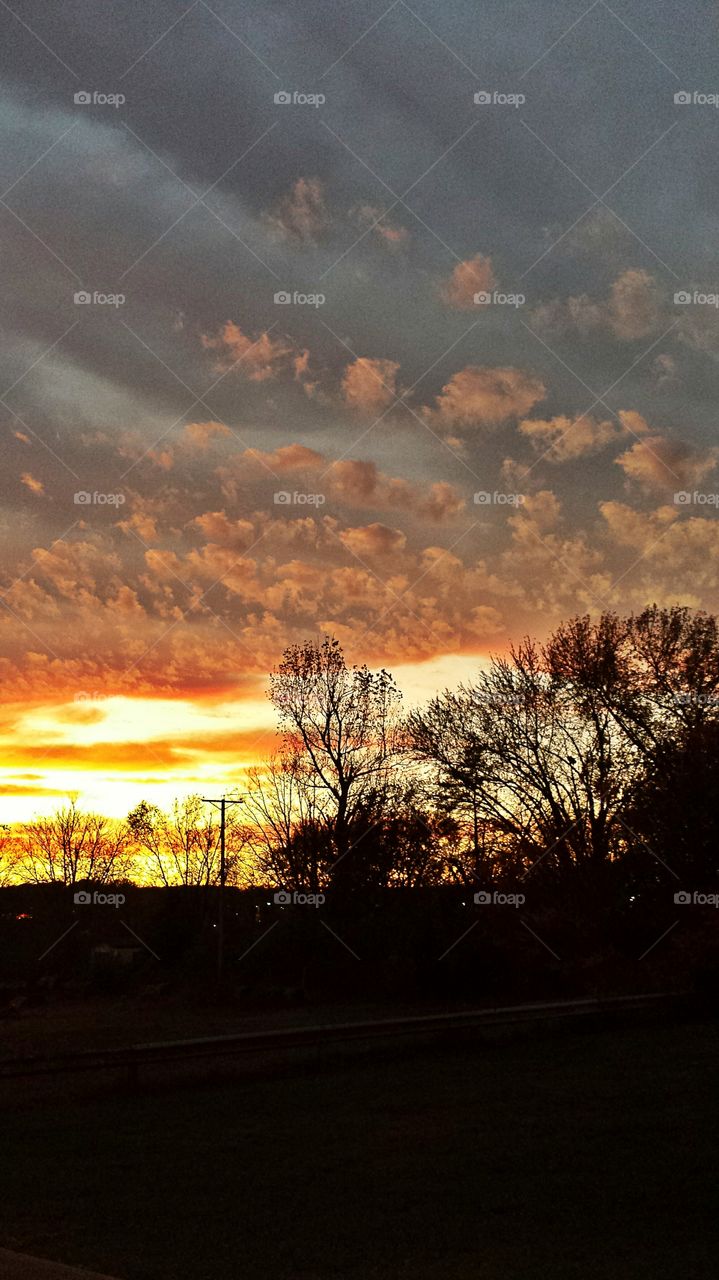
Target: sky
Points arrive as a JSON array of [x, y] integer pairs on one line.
[[394, 322]]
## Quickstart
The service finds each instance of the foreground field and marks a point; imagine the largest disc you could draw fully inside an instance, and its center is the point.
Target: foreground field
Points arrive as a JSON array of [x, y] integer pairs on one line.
[[571, 1156]]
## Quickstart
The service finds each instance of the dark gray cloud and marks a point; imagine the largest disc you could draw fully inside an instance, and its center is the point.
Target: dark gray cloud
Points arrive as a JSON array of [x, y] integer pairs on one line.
[[200, 197]]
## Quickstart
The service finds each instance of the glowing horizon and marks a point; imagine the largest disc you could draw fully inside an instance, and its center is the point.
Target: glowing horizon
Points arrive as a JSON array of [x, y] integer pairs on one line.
[[192, 746], [304, 403]]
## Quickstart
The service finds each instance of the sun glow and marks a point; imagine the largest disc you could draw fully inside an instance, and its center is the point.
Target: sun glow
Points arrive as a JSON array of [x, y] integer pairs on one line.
[[112, 752]]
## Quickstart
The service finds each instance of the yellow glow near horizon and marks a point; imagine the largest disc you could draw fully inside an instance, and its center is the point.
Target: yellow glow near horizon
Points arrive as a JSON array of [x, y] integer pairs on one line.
[[113, 752]]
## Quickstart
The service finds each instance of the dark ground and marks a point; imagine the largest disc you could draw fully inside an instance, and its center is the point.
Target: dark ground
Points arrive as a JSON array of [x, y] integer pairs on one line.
[[569, 1155], [101, 1022]]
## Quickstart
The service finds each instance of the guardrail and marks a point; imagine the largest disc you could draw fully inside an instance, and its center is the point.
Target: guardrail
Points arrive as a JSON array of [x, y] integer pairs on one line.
[[440, 1027]]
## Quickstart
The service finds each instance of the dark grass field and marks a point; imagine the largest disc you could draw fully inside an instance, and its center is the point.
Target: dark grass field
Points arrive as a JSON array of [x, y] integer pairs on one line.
[[574, 1155]]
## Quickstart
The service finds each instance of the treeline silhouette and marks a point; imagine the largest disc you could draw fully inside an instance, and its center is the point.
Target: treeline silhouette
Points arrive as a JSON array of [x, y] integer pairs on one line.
[[577, 778], [590, 759]]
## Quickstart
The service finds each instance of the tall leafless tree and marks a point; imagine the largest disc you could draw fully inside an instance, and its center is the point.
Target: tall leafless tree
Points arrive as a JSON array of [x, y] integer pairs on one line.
[[343, 723]]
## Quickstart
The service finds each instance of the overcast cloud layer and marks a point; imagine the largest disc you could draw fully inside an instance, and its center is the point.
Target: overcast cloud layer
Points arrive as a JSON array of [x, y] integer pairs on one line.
[[200, 473]]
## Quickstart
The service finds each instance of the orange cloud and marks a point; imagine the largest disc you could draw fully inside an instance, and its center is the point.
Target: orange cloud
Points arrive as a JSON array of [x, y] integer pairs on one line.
[[370, 385], [373, 540], [142, 523], [563, 439], [483, 396], [637, 529], [133, 755], [442, 501], [633, 422], [288, 457], [74, 568], [352, 482], [200, 435], [35, 486], [256, 359], [216, 526], [362, 484], [470, 277], [657, 462], [366, 215], [633, 309], [302, 214]]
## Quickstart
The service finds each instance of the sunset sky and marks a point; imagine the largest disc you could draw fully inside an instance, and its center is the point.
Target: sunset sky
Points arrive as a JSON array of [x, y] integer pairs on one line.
[[252, 472]]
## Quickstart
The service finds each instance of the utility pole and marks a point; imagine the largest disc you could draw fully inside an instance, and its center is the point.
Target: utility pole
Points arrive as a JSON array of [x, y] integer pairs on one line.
[[221, 804]]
